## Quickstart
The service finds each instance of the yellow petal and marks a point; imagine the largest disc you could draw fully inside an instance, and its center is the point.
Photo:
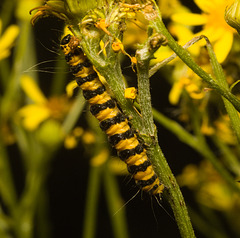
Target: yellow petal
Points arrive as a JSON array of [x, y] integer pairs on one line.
[[190, 19], [33, 115], [184, 34], [32, 90], [4, 54], [212, 33], [7, 40], [70, 142], [88, 137], [206, 5], [223, 46], [175, 93], [0, 27], [161, 54], [100, 158], [23, 7]]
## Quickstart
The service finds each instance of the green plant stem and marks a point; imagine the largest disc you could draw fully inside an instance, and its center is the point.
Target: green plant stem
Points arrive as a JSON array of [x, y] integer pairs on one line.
[[116, 211], [159, 65], [221, 79], [7, 189], [229, 158], [7, 10], [144, 94], [35, 178], [59, 78], [43, 214], [204, 227], [4, 73], [161, 167], [12, 92], [158, 24], [89, 225], [5, 224], [74, 113]]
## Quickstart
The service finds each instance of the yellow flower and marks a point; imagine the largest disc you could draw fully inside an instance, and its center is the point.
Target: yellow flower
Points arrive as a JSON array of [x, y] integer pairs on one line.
[[130, 93], [189, 176], [183, 35], [184, 78], [100, 158], [71, 140], [214, 25], [88, 137], [210, 189], [206, 128], [167, 7], [224, 130], [42, 108], [7, 39], [136, 31]]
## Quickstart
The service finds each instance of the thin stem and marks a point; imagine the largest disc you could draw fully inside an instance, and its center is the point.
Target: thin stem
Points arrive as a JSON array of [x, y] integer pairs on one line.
[[159, 65], [229, 158], [74, 113], [5, 222], [144, 94], [204, 227], [89, 225], [11, 94], [115, 205], [59, 78], [221, 79], [176, 129], [7, 189], [172, 191], [35, 179]]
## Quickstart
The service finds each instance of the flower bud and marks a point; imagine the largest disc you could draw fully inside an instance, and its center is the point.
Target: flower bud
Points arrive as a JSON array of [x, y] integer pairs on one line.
[[232, 15]]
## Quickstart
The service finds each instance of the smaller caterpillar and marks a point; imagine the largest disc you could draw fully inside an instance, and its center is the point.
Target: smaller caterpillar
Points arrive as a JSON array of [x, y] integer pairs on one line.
[[115, 124]]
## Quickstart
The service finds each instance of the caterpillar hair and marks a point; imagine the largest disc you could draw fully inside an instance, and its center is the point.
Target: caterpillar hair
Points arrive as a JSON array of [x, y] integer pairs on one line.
[[115, 124]]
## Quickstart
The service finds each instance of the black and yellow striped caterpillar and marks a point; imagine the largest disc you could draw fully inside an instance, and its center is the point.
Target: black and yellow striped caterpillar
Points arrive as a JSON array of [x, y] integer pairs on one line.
[[112, 120]]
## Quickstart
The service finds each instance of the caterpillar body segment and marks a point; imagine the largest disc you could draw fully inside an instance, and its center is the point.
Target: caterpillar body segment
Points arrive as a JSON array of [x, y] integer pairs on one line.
[[115, 124]]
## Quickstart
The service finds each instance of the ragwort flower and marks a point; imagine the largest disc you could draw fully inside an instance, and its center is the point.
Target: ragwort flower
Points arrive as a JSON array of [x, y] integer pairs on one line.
[[213, 23], [7, 39], [32, 115]]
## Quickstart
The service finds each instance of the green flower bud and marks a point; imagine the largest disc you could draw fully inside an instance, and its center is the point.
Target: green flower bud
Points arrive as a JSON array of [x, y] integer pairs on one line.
[[232, 15]]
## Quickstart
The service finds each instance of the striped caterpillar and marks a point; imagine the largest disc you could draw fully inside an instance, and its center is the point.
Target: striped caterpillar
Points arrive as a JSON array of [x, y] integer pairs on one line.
[[111, 119]]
